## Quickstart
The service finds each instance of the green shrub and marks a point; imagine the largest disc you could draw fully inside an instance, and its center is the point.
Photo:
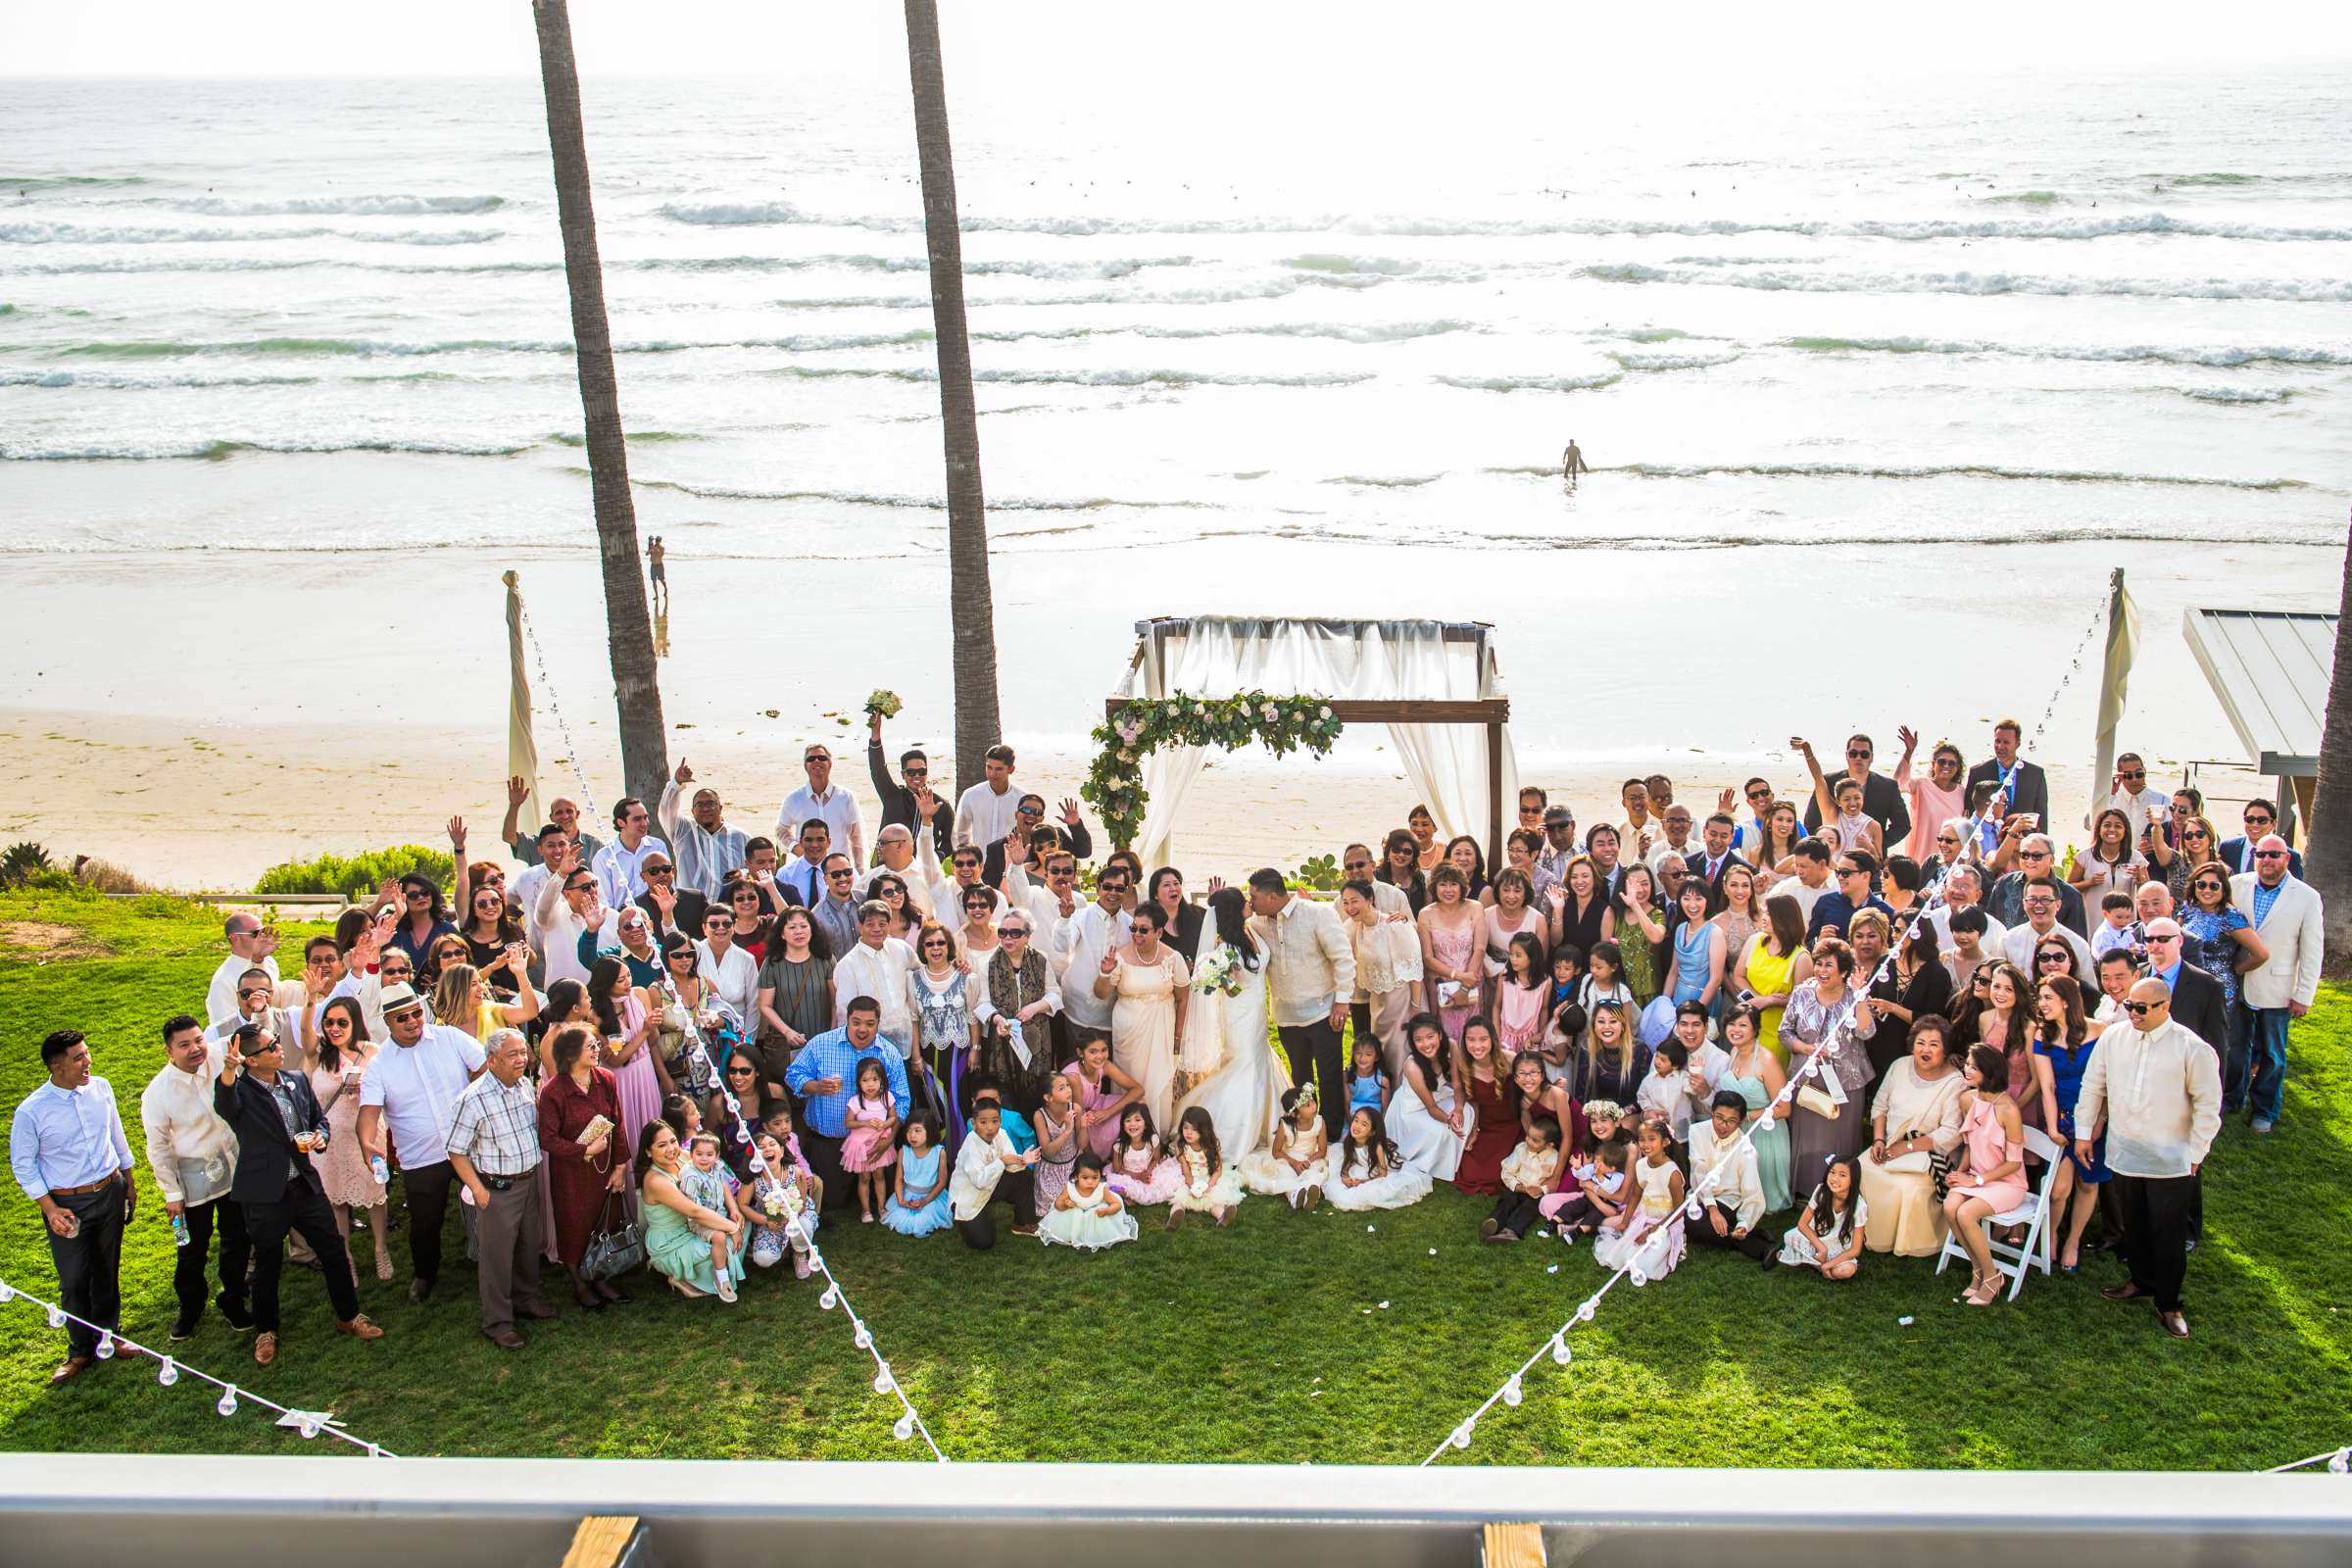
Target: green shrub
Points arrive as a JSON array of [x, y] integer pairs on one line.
[[358, 874], [1321, 874]]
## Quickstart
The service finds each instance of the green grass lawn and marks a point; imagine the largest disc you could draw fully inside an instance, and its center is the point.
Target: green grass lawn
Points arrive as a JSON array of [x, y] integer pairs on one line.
[[1289, 1337]]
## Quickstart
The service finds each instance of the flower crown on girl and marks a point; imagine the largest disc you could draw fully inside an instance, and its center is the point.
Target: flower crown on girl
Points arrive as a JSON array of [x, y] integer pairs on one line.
[[1596, 1109]]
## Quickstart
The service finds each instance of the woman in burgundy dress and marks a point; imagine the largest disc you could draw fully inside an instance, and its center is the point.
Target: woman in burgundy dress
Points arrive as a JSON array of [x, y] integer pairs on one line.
[[582, 1177], [1498, 1126]]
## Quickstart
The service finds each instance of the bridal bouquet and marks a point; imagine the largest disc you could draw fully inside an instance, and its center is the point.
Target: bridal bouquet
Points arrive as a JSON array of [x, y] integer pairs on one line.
[[1220, 973], [781, 1199], [884, 703]]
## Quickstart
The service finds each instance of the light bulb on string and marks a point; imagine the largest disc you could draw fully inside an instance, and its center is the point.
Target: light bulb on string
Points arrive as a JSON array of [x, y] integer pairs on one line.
[[106, 1346], [1638, 1278], [863, 1339], [228, 1402], [8, 1293], [2340, 1463], [57, 1317], [1561, 1354], [831, 1295], [1513, 1393], [169, 1373], [1764, 1123], [1695, 1209], [1583, 1313], [308, 1427], [758, 1164], [883, 1381], [902, 1428], [1461, 1435]]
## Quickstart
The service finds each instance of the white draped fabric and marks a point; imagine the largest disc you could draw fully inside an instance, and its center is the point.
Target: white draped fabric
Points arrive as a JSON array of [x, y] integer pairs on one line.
[[1368, 661]]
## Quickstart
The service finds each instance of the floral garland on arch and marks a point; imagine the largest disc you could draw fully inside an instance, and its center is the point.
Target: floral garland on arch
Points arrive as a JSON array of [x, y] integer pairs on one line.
[[1114, 784]]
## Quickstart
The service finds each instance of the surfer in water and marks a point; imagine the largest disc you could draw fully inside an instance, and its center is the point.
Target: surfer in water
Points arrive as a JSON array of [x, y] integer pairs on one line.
[[1572, 462]]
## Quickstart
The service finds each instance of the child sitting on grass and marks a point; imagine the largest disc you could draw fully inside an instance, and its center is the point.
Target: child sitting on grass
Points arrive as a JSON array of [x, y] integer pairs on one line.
[[1527, 1176]]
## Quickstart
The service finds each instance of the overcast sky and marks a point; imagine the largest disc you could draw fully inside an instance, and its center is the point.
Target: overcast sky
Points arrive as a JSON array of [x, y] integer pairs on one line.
[[745, 37]]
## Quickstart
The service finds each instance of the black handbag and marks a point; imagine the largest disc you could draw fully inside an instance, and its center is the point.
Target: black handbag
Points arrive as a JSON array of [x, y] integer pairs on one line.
[[613, 1251]]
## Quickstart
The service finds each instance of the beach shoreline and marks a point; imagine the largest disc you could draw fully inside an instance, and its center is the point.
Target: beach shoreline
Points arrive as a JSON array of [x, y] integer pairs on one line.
[[195, 717]]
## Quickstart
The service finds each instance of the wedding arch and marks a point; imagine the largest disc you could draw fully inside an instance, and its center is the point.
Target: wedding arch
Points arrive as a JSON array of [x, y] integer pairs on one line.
[[1434, 684]]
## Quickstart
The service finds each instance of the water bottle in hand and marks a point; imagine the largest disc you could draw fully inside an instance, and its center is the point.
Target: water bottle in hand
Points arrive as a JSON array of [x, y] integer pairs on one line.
[[378, 1169], [179, 1230]]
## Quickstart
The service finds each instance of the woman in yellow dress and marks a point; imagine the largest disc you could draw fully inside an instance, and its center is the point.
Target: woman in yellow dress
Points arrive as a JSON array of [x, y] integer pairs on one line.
[[1774, 965]]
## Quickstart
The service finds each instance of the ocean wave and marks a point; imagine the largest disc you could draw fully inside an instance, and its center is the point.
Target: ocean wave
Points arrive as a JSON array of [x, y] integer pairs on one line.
[[1406, 481], [2237, 394], [2218, 358], [134, 383], [219, 451], [731, 214], [33, 182], [1319, 262], [926, 503], [1968, 470], [352, 206], [1338, 332], [1103, 378], [1672, 362], [2054, 227], [338, 347], [49, 233], [1981, 283], [1531, 383], [569, 438]]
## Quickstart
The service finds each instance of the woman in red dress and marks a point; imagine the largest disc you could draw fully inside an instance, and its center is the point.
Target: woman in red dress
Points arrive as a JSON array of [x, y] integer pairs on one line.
[[581, 1176], [1497, 1125]]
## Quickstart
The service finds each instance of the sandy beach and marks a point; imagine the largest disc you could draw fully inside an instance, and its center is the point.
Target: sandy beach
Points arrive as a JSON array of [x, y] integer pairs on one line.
[[196, 717]]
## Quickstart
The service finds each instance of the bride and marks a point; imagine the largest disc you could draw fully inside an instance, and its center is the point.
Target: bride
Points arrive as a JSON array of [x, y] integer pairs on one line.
[[1225, 1036]]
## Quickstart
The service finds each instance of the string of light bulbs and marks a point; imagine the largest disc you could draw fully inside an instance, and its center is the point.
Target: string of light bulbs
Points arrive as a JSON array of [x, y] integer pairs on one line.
[[1513, 1388], [547, 688], [170, 1369], [910, 1420], [2337, 1461]]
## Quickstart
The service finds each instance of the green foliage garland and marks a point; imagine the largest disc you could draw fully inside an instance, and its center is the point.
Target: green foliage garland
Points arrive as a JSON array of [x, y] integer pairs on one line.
[[1114, 784]]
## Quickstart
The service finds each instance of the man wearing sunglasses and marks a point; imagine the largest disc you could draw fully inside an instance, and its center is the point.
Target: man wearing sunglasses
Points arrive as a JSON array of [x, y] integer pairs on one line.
[[706, 848], [2037, 861], [2284, 910], [820, 799], [671, 907], [897, 796], [2160, 1088], [1881, 798], [2261, 819]]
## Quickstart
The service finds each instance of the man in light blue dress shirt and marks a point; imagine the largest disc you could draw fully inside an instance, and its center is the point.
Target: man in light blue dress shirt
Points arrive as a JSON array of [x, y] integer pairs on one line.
[[68, 1151]]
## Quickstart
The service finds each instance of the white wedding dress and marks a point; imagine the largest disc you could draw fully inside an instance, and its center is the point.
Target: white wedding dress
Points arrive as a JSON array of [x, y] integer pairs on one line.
[[1244, 1095]]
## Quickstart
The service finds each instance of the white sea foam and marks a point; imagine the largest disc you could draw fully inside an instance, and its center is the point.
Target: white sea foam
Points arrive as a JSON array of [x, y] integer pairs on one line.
[[2210, 288]]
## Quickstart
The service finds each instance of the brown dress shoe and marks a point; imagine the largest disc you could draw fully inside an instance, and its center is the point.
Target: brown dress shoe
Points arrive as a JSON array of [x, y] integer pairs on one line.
[[538, 1312], [265, 1349], [507, 1339], [70, 1366], [358, 1328], [2175, 1324]]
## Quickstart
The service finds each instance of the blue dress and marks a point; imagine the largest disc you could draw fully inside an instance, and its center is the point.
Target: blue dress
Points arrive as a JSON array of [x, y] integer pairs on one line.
[[2213, 947], [1363, 1093], [922, 1170], [2067, 1064], [1691, 959]]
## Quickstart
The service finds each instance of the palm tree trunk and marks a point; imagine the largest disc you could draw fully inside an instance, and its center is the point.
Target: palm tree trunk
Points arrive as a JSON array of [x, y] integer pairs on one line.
[[2327, 852], [644, 747], [972, 612]]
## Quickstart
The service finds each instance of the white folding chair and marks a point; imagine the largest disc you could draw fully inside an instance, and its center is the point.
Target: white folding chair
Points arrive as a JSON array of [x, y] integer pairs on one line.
[[2034, 1214]]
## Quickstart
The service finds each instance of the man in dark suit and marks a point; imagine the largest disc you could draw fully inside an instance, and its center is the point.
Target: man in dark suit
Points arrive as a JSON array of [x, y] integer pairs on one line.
[[2197, 999], [672, 906], [2238, 853], [2028, 787], [1882, 801], [1716, 856], [898, 799], [279, 1126]]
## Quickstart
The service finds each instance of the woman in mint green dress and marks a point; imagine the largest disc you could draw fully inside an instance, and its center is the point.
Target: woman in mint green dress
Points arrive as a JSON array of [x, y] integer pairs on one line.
[[1756, 1076], [671, 1219]]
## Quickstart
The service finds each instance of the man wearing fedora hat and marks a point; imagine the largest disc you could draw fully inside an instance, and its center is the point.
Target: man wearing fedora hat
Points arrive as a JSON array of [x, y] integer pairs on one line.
[[412, 1089]]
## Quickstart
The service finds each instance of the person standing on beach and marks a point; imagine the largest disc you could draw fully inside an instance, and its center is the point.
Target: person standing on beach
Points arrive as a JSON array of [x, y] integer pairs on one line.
[[564, 812], [1572, 462], [895, 798], [655, 554], [706, 849], [2023, 782], [821, 800], [985, 814]]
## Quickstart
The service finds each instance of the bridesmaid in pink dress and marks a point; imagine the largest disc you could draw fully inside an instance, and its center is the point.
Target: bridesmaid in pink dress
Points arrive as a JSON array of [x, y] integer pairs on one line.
[[627, 1027], [1452, 929], [1993, 1179]]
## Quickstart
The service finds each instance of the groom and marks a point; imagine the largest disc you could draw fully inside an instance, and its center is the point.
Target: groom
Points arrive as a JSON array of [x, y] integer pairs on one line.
[[1311, 973]]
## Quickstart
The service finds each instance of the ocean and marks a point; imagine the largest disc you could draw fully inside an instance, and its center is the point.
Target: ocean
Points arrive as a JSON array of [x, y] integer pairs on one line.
[[2042, 309]]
